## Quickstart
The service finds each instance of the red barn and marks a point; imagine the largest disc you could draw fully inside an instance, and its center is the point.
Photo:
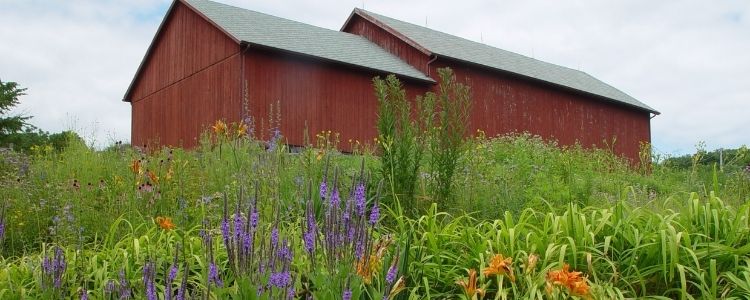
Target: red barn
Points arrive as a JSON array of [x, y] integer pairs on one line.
[[210, 61]]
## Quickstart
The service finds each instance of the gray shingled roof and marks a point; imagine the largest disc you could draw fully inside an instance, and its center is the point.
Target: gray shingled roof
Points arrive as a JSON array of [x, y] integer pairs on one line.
[[279, 33], [447, 45]]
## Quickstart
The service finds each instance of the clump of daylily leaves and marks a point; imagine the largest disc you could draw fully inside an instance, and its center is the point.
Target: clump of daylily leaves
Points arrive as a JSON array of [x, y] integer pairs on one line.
[[559, 283]]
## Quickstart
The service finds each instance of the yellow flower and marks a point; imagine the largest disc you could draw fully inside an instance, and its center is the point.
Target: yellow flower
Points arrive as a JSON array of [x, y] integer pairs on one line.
[[241, 129], [220, 127], [470, 285], [500, 265], [165, 223]]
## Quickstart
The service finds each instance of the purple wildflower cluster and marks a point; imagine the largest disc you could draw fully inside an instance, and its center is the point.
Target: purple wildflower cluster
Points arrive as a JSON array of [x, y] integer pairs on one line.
[[149, 274], [346, 229], [53, 269], [171, 275], [265, 260], [238, 233], [118, 290]]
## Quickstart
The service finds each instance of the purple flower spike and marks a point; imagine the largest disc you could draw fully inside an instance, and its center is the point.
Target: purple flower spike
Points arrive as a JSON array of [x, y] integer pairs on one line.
[[309, 238], [374, 214], [347, 295], [172, 273], [213, 275], [359, 199], [391, 276], [323, 189], [335, 199], [275, 236]]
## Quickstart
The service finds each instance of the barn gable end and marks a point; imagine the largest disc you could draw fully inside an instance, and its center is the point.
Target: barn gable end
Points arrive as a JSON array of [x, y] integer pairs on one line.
[[189, 78]]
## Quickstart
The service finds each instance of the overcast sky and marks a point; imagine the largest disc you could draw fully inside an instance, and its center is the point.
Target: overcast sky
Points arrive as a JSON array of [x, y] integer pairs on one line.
[[690, 60]]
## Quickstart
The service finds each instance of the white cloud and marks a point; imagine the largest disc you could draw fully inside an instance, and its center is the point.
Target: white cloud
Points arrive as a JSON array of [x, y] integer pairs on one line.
[[687, 59]]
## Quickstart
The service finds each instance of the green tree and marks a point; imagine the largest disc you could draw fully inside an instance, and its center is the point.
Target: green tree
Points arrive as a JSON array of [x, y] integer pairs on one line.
[[10, 124]]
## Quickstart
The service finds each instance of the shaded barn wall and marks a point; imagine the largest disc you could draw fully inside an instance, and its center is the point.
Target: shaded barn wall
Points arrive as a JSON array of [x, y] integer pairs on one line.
[[313, 95], [190, 79], [504, 103]]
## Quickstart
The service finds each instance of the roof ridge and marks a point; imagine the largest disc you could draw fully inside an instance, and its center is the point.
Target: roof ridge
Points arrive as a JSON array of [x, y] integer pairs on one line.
[[273, 16], [468, 40]]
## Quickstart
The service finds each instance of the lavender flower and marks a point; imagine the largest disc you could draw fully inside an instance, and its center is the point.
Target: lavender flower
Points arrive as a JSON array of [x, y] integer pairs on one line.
[[53, 268], [84, 295], [374, 214], [109, 288], [280, 279], [274, 236], [323, 189], [359, 199], [290, 293], [125, 292], [183, 286], [254, 217], [2, 229], [347, 295], [148, 280], [309, 239], [274, 141], [225, 230], [213, 275], [335, 199], [172, 273], [390, 277]]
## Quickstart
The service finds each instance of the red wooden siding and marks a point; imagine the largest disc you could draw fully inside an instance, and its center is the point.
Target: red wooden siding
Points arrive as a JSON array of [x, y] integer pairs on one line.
[[505, 103], [186, 44], [190, 79], [178, 114], [394, 45], [311, 92]]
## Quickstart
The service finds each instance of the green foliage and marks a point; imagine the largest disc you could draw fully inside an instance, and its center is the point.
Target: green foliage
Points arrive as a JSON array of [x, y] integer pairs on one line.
[[449, 121], [400, 139], [663, 234], [9, 93]]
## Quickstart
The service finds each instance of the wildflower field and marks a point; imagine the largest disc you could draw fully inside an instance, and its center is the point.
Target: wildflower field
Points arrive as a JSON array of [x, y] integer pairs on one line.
[[438, 213], [237, 219]]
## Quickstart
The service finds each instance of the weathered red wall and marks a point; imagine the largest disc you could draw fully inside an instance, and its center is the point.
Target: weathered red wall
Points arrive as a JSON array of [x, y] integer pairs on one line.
[[190, 79], [504, 103], [312, 93], [178, 114]]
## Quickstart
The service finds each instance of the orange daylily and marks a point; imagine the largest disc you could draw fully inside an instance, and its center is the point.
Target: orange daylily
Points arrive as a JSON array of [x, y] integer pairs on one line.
[[500, 265], [165, 223], [366, 267], [153, 177], [573, 281], [470, 285], [219, 127], [135, 166]]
